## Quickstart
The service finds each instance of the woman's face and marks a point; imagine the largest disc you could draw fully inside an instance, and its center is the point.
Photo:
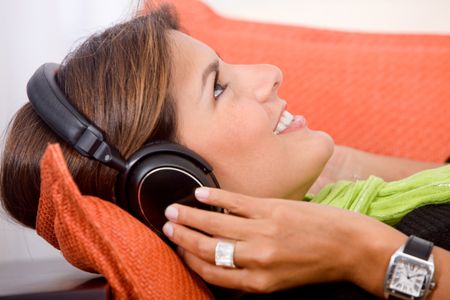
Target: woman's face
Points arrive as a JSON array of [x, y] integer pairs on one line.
[[229, 115]]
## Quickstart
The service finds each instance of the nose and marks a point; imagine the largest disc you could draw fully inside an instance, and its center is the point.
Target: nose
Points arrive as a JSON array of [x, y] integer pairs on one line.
[[267, 79]]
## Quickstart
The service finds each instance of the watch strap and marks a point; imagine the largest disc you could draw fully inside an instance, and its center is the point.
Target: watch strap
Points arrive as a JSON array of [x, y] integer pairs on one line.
[[418, 247]]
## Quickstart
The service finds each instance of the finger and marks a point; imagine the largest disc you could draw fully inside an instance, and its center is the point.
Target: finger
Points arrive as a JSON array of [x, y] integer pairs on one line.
[[237, 204], [205, 247], [196, 242], [225, 277], [191, 240], [213, 223]]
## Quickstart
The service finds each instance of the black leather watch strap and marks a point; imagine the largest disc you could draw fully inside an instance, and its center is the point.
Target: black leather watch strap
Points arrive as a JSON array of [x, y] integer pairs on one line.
[[418, 247]]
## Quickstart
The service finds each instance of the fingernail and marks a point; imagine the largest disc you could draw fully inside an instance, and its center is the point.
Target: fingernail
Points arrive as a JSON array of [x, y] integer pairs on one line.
[[201, 193], [180, 251], [168, 229], [171, 213]]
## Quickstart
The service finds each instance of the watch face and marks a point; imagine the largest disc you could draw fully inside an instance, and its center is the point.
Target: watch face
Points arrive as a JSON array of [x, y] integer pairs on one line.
[[408, 277]]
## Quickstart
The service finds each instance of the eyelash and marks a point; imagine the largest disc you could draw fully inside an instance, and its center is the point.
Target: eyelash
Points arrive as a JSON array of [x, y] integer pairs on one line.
[[218, 85]]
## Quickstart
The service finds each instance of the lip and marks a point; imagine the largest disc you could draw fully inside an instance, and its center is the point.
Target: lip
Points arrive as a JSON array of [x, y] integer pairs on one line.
[[298, 123], [283, 108]]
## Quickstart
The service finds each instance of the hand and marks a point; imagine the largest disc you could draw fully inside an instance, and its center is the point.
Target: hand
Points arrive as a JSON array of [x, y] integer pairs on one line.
[[279, 243]]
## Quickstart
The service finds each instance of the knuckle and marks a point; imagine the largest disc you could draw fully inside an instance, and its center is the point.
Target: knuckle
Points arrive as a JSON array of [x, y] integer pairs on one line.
[[181, 213], [196, 245], [213, 223], [272, 230], [238, 199], [234, 201], [179, 236], [176, 235], [260, 283], [267, 256], [202, 248], [279, 212], [204, 271], [235, 204]]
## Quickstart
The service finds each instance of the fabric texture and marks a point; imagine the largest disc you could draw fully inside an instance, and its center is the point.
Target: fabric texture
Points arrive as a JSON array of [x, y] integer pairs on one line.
[[383, 93], [431, 222], [388, 202], [98, 236]]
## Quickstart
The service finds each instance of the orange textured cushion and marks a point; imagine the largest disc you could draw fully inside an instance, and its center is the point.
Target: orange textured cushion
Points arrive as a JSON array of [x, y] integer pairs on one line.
[[385, 93], [97, 236]]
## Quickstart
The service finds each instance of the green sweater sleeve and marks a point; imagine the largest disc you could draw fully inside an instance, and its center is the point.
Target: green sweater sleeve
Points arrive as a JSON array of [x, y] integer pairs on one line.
[[388, 202]]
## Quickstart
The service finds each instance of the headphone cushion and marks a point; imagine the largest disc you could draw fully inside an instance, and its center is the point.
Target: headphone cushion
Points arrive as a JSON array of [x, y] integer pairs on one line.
[[158, 180]]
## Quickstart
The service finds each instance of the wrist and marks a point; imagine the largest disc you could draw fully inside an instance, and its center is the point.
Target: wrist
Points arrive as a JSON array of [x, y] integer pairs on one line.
[[411, 270], [374, 244]]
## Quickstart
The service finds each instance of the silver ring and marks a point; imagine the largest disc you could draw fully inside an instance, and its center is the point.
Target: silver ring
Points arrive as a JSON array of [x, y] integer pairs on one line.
[[224, 254]]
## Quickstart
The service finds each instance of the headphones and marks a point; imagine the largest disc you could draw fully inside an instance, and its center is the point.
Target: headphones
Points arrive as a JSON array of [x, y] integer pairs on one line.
[[157, 175]]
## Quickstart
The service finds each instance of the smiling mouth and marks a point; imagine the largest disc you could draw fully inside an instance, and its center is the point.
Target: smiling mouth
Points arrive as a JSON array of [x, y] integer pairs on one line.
[[288, 123], [285, 121]]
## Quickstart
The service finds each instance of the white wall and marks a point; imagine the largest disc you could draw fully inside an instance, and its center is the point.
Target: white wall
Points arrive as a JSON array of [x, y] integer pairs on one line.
[[37, 31], [425, 16], [31, 33]]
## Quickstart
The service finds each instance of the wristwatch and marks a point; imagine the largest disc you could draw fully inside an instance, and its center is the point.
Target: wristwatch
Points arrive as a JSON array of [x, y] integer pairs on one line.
[[410, 274]]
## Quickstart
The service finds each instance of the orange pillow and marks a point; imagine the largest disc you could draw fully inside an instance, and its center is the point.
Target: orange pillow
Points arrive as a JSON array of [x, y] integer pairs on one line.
[[98, 236], [385, 93]]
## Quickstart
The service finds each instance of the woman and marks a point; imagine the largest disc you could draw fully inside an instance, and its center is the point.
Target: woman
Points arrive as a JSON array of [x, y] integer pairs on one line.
[[151, 81]]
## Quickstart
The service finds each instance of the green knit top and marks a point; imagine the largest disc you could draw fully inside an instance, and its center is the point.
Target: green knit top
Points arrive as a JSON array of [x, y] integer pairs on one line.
[[388, 202]]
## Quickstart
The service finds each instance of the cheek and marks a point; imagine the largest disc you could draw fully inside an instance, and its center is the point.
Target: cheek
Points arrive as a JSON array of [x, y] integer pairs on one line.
[[237, 132], [245, 159], [231, 139], [228, 140]]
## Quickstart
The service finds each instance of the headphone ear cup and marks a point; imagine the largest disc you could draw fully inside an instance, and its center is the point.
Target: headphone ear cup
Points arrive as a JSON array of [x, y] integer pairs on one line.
[[159, 180]]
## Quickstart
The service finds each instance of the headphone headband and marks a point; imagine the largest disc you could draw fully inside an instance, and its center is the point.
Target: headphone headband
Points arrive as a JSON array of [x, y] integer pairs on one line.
[[54, 109], [158, 174]]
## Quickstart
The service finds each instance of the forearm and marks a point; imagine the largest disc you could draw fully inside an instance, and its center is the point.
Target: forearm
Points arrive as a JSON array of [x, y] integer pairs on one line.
[[388, 168], [373, 243], [352, 164]]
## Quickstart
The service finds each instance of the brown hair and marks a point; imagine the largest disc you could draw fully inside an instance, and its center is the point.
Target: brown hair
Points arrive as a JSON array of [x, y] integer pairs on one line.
[[118, 79]]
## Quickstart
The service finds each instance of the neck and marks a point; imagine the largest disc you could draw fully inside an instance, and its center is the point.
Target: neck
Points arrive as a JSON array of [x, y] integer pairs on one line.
[[300, 191], [334, 170]]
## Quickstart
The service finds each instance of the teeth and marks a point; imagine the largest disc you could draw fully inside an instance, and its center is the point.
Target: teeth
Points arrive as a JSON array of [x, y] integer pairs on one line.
[[280, 127], [284, 122], [287, 117]]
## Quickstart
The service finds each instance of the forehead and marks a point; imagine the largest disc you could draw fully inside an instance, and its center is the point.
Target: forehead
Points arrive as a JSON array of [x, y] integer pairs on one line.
[[188, 54]]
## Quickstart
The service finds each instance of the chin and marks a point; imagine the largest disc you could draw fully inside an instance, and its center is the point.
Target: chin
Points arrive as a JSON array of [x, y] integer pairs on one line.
[[328, 144], [321, 145]]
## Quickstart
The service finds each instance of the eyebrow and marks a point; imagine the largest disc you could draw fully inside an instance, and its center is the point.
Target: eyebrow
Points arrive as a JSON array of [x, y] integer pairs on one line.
[[212, 67]]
